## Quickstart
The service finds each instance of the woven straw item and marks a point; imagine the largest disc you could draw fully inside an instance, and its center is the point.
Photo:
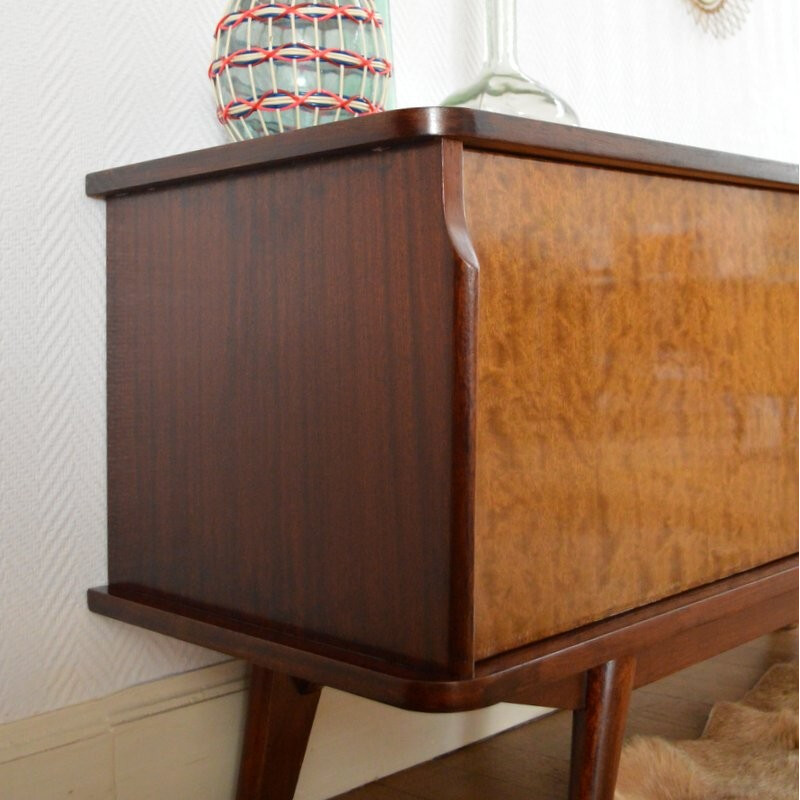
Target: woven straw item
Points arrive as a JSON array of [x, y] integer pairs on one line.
[[722, 18], [281, 66]]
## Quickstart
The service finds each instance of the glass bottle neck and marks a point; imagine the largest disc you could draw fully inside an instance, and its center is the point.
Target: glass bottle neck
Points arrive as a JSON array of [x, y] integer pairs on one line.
[[501, 35]]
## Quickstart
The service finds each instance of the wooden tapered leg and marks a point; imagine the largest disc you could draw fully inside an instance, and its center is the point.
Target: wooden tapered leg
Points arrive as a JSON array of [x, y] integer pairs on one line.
[[598, 730], [279, 718]]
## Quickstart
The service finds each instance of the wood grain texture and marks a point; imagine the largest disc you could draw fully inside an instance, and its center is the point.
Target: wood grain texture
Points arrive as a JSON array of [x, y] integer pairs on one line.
[[637, 389], [598, 730], [480, 129], [726, 613], [280, 390], [465, 313], [280, 714], [532, 761], [331, 432]]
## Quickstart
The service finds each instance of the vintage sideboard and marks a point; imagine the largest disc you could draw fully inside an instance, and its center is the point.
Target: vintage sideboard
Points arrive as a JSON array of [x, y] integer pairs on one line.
[[444, 408]]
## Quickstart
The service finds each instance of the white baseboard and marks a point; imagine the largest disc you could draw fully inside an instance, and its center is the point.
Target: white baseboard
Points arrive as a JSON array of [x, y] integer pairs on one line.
[[180, 737]]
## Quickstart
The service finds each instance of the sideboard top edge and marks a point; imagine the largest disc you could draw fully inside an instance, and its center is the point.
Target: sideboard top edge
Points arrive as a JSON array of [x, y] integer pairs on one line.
[[476, 129]]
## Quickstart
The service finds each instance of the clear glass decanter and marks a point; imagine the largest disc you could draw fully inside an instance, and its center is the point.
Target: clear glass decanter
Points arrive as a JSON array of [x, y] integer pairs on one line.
[[502, 86]]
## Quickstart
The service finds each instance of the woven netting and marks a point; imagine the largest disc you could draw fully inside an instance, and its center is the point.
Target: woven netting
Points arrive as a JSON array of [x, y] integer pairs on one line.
[[281, 66]]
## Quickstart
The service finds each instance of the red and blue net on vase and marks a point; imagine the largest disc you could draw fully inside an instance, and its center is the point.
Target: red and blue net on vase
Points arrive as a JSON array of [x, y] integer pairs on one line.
[[282, 66]]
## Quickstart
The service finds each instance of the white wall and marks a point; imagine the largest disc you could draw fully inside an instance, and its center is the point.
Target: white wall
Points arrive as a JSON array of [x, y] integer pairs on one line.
[[95, 84]]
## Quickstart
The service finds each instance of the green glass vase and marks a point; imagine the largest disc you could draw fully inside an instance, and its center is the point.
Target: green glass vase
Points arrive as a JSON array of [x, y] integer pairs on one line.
[[502, 86]]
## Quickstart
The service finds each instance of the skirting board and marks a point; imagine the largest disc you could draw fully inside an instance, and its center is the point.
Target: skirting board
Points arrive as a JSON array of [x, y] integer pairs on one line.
[[180, 738]]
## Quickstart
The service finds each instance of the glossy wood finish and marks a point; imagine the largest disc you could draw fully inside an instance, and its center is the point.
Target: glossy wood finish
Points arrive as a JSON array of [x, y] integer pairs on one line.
[[726, 613], [532, 762], [636, 389], [568, 693], [280, 395], [369, 395], [491, 132], [465, 313], [279, 718], [599, 728]]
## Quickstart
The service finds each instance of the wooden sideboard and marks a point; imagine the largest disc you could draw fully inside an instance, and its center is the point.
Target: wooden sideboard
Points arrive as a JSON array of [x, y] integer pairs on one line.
[[444, 408]]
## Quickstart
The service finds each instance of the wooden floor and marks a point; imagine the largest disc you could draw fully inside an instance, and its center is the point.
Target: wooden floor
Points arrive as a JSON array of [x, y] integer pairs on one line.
[[532, 761]]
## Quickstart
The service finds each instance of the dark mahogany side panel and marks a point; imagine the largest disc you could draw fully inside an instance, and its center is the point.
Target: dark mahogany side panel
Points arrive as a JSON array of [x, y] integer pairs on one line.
[[280, 383]]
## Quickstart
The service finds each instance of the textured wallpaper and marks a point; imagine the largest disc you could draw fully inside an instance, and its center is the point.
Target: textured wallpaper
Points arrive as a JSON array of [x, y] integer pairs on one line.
[[100, 84]]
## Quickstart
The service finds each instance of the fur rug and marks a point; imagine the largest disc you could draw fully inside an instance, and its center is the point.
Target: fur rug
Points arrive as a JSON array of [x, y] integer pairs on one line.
[[748, 751]]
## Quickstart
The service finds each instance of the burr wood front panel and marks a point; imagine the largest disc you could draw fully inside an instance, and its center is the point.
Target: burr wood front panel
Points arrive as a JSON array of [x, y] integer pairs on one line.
[[636, 389]]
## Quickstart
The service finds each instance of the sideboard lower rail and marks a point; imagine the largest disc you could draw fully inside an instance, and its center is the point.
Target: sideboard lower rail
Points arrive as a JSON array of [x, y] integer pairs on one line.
[[664, 637]]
